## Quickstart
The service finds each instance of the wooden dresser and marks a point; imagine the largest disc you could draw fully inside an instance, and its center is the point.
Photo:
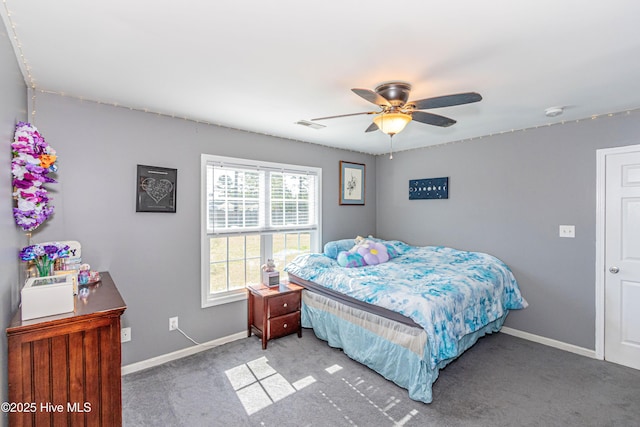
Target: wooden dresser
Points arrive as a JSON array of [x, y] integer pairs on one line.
[[66, 369], [274, 311]]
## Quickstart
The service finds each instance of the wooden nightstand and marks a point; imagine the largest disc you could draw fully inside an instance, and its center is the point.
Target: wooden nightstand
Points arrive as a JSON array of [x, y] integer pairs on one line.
[[274, 312]]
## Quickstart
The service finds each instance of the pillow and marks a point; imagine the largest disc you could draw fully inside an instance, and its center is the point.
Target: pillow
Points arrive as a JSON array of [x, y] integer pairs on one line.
[[395, 248], [350, 259], [373, 252], [365, 252], [333, 248]]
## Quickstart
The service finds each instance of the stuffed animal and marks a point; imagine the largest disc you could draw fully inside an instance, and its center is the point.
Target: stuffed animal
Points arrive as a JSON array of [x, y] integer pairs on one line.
[[269, 266], [359, 241]]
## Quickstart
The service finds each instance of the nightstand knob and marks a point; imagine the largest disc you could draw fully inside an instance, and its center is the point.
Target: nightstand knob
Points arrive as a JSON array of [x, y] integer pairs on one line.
[[285, 325], [284, 305]]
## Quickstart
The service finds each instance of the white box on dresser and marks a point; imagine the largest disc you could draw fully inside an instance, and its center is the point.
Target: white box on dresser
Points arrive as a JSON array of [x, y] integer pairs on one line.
[[47, 296]]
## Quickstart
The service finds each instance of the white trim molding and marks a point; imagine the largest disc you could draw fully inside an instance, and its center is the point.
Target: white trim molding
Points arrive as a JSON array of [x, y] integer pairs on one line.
[[164, 358], [600, 211], [179, 354], [549, 342]]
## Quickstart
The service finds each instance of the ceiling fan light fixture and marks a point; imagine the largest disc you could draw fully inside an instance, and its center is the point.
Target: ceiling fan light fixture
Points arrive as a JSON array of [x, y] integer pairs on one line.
[[392, 123]]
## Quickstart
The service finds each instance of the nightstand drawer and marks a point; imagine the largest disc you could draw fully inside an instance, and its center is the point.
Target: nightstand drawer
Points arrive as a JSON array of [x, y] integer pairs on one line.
[[284, 325], [283, 304]]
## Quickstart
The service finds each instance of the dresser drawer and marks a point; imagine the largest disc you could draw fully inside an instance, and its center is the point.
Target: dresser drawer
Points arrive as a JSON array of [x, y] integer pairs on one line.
[[284, 325], [283, 304]]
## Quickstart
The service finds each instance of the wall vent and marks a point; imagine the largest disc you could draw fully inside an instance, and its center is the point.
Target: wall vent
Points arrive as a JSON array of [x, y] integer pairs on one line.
[[310, 124]]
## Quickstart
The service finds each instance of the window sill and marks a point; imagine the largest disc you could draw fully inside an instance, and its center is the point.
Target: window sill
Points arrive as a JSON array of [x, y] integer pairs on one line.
[[224, 298]]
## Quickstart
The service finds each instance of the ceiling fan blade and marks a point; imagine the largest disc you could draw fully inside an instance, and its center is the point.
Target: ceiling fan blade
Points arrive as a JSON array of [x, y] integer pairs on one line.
[[372, 97], [446, 100], [372, 127], [432, 119], [344, 115]]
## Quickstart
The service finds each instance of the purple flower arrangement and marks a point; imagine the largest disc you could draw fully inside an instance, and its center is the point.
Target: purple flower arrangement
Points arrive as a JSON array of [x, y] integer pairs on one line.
[[44, 255], [32, 160]]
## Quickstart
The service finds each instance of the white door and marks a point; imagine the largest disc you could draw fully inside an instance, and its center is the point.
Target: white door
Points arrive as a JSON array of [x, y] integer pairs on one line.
[[622, 259]]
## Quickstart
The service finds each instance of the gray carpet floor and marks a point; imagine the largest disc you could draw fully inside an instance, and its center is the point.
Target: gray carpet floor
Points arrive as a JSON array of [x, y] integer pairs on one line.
[[501, 381]]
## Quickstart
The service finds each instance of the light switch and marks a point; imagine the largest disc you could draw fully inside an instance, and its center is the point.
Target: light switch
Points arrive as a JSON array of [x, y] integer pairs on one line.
[[568, 231]]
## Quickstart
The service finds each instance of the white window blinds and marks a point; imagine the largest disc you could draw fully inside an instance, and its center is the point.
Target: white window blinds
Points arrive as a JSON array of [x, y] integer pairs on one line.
[[263, 198]]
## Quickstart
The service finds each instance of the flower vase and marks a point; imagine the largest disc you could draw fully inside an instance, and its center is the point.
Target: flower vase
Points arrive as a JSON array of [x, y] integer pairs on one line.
[[44, 265]]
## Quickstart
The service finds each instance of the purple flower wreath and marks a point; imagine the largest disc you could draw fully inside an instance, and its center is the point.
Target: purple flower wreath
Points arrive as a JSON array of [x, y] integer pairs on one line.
[[32, 160]]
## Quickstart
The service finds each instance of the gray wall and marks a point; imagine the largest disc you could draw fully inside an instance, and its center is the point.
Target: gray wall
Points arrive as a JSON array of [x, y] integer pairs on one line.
[[508, 195], [13, 108], [154, 258]]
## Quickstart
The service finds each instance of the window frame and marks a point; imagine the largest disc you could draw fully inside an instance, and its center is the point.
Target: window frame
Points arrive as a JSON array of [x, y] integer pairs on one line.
[[209, 299]]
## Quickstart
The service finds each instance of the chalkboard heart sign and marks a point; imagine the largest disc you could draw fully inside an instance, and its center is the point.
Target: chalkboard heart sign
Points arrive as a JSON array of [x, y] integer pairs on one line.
[[156, 189]]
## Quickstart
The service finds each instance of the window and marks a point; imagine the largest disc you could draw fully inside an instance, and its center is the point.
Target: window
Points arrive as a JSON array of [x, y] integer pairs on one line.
[[253, 211]]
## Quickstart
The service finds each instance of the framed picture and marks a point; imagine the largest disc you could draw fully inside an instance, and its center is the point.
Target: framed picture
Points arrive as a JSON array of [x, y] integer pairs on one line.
[[352, 179], [156, 189], [429, 188]]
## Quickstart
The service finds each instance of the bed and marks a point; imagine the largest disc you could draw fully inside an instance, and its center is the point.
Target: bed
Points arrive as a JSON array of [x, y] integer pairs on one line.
[[408, 317]]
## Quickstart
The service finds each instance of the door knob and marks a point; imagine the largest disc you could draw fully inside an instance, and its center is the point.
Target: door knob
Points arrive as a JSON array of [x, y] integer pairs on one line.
[[614, 270]]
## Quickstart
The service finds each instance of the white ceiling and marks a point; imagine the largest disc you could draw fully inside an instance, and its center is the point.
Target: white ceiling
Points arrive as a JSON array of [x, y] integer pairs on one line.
[[263, 65]]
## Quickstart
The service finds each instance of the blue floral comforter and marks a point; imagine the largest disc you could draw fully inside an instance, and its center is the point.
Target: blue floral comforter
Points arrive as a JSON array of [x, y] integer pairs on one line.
[[450, 293]]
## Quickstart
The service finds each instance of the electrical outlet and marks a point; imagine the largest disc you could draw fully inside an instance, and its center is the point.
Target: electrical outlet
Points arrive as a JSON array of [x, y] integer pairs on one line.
[[173, 323], [567, 231], [125, 334]]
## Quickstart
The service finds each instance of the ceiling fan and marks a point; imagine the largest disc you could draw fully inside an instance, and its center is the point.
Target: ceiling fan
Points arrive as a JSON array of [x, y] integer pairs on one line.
[[395, 112]]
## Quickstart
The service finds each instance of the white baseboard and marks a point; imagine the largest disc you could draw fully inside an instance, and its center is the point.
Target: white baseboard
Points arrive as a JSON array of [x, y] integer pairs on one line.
[[551, 343], [159, 360]]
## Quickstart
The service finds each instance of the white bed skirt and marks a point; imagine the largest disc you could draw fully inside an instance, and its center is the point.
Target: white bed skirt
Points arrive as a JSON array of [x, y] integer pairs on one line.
[[396, 351]]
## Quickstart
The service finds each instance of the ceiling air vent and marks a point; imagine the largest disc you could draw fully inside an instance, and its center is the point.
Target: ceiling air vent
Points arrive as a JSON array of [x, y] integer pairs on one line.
[[310, 124]]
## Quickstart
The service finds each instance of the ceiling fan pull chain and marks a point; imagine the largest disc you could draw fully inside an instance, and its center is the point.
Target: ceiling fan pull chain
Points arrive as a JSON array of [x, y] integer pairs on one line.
[[391, 147]]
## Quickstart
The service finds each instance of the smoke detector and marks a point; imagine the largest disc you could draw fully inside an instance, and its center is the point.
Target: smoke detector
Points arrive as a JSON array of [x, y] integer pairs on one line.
[[553, 111]]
